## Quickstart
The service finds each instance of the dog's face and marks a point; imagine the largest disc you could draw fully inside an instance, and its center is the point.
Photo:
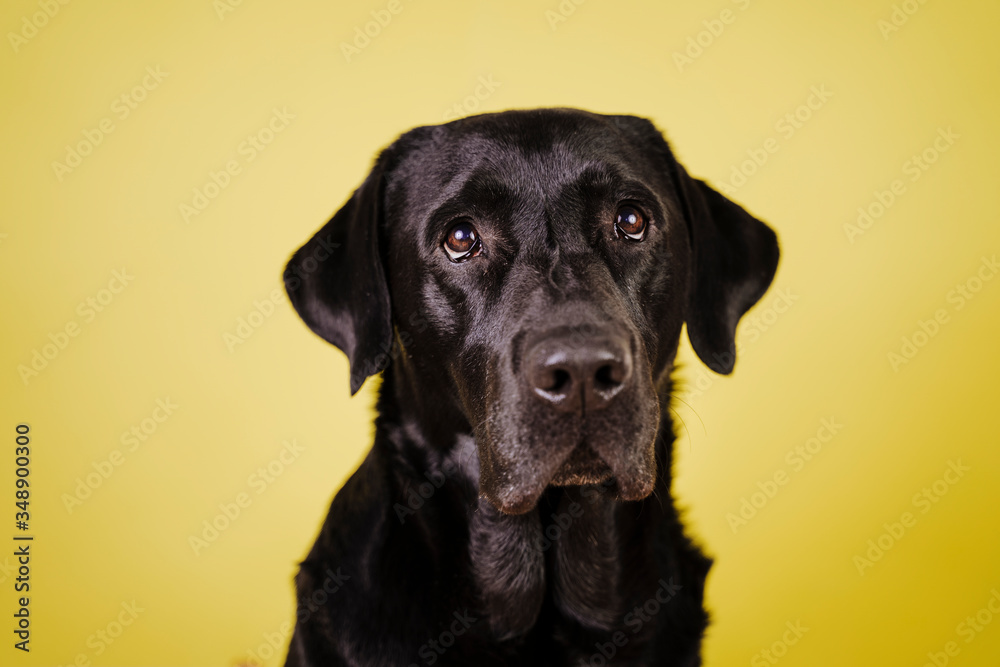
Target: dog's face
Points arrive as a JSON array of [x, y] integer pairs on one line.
[[534, 270]]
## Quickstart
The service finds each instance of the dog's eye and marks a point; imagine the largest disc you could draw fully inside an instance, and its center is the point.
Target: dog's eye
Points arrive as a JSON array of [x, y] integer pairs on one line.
[[630, 223], [462, 242]]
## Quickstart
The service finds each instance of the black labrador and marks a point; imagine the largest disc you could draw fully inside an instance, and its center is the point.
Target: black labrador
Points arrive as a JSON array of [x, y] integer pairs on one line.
[[521, 280]]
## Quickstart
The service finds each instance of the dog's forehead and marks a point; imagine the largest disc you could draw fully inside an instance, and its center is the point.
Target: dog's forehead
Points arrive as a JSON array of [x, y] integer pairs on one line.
[[521, 167], [534, 156]]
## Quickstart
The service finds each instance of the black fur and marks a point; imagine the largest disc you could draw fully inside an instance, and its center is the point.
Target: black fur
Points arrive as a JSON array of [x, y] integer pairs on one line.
[[495, 522]]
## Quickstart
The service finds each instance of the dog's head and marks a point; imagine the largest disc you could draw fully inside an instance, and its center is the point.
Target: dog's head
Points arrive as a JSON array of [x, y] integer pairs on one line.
[[529, 273]]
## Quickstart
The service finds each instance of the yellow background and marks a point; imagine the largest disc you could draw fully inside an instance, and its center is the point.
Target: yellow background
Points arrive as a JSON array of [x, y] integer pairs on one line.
[[163, 335]]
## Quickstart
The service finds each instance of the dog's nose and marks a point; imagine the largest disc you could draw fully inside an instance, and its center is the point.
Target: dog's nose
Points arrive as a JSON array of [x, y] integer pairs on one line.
[[578, 375]]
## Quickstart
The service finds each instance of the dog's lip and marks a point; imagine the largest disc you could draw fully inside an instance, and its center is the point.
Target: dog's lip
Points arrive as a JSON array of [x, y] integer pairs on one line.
[[525, 503], [518, 497], [515, 485], [582, 466]]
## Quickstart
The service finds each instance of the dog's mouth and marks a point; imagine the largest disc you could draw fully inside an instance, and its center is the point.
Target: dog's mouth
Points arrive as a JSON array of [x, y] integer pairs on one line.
[[582, 466]]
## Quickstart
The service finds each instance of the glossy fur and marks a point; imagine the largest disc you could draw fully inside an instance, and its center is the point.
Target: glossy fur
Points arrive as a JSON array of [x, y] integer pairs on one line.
[[488, 526]]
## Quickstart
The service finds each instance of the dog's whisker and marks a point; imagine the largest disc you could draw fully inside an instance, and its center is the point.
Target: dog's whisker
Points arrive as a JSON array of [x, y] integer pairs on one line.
[[684, 424], [691, 408]]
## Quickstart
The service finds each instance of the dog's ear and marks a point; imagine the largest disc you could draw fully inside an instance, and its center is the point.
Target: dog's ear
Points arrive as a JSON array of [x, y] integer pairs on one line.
[[734, 257], [337, 283]]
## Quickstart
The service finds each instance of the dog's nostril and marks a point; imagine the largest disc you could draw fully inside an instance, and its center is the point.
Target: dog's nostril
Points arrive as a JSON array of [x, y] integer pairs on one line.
[[609, 376], [560, 381], [573, 376]]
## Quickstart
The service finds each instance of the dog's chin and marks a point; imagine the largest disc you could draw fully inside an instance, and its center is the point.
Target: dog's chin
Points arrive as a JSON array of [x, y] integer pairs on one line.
[[636, 488], [583, 467], [516, 501], [634, 480]]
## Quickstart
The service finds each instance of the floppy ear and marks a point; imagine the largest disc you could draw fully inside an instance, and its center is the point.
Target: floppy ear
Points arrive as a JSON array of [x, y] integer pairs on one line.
[[734, 255], [734, 258], [337, 283]]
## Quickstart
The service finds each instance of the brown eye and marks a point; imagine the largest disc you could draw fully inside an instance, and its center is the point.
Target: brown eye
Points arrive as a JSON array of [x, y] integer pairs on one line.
[[630, 222], [462, 242]]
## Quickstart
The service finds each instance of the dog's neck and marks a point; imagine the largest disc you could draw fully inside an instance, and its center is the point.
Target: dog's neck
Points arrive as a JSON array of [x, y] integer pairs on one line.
[[571, 554], [568, 549]]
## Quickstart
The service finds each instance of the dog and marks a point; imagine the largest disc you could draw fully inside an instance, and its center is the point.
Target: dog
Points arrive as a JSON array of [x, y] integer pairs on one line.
[[520, 280]]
